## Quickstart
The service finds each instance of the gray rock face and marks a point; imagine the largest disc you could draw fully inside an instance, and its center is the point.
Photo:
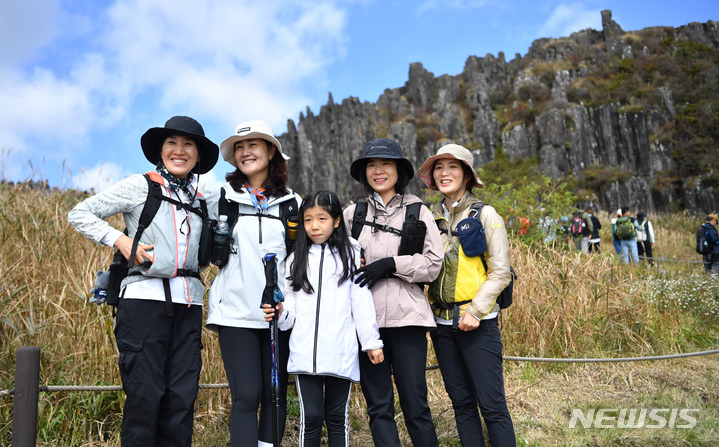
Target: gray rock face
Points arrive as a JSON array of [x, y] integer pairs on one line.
[[569, 138]]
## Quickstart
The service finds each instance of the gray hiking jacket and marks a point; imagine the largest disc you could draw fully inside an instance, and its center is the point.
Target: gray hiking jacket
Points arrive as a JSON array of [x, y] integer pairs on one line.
[[174, 233]]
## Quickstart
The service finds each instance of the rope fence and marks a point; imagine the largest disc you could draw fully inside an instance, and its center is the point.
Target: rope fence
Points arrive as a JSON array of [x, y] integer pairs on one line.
[[215, 386]]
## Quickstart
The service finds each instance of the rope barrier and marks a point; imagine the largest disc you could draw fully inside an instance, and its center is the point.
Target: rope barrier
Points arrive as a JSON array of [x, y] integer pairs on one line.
[[205, 386]]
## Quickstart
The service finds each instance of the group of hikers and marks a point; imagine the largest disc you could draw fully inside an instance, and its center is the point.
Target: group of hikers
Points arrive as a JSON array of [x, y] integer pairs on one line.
[[362, 286], [632, 237]]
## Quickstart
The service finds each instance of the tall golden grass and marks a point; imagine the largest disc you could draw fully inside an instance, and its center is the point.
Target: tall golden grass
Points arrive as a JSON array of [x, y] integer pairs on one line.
[[566, 305]]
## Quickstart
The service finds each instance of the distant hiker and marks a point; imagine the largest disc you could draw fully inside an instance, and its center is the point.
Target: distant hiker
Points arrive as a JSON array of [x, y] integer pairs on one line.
[[159, 315], [626, 231], [256, 197], [402, 251], [464, 297], [594, 239], [327, 313], [709, 232], [563, 230], [645, 237], [580, 228], [615, 240]]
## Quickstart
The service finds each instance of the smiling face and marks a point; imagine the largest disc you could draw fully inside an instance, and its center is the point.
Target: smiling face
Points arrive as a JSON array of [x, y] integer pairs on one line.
[[253, 158], [180, 155], [382, 176], [319, 225], [448, 175]]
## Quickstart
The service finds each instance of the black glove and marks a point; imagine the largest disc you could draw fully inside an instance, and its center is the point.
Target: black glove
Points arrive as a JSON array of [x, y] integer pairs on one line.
[[370, 274]]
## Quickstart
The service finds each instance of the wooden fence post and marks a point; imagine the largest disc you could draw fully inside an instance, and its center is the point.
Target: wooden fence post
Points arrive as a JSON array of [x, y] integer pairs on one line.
[[27, 388]]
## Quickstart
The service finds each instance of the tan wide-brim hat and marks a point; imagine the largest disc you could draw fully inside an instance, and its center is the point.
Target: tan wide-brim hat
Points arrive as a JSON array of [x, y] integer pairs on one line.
[[247, 131], [454, 151]]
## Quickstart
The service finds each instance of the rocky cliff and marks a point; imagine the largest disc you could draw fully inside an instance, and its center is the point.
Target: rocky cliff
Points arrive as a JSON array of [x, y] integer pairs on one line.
[[630, 117]]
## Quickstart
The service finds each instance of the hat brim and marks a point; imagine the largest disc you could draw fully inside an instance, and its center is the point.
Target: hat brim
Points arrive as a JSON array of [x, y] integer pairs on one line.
[[358, 166], [227, 147], [153, 139], [425, 171]]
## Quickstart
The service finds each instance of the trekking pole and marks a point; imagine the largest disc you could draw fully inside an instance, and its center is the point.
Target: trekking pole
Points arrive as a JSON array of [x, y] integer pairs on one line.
[[272, 295]]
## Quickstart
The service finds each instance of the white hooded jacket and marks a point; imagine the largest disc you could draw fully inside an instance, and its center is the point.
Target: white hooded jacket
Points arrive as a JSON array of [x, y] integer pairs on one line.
[[327, 323]]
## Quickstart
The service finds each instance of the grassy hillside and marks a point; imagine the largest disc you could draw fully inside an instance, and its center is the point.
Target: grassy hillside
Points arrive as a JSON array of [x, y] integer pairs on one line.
[[566, 305]]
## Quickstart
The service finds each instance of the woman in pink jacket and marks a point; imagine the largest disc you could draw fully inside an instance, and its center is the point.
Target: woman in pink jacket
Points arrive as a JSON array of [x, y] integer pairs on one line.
[[396, 281]]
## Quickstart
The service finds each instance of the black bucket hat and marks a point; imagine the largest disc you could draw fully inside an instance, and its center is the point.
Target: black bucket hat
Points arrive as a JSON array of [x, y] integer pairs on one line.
[[381, 148], [152, 140]]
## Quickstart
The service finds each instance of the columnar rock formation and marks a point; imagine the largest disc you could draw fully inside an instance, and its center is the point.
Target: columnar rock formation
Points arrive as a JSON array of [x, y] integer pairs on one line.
[[528, 107]]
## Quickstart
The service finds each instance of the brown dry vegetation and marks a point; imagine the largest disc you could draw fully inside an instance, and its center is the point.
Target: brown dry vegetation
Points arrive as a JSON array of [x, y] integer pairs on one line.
[[566, 305]]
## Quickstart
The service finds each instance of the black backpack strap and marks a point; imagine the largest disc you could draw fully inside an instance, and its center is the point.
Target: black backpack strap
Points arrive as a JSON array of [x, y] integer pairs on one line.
[[358, 219], [229, 209], [413, 211], [288, 209], [152, 205]]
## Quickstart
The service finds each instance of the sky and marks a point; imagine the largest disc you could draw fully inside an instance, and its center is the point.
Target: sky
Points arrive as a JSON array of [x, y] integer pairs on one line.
[[81, 81]]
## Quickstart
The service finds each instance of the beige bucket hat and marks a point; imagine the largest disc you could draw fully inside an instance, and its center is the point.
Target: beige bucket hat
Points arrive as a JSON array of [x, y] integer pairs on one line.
[[454, 151]]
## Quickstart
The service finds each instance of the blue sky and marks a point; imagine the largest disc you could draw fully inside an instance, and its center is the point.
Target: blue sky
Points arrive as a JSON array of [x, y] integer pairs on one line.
[[81, 81]]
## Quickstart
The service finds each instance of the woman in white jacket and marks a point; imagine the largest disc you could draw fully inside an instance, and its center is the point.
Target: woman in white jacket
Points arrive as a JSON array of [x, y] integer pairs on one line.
[[257, 190], [328, 313]]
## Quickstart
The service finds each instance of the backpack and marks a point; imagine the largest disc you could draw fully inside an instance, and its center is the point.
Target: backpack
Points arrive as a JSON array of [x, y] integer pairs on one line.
[[578, 227], [472, 227], [288, 215], [642, 232], [703, 247], [120, 267], [625, 230], [411, 235]]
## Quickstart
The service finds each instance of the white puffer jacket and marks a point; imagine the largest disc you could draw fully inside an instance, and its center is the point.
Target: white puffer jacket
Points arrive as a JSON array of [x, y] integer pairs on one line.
[[327, 323]]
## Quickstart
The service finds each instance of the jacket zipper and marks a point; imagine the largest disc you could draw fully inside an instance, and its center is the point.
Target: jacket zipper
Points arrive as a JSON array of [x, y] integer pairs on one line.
[[317, 316], [259, 220]]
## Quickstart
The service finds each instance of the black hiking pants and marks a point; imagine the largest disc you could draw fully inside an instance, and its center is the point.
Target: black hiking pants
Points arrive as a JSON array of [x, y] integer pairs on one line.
[[246, 354], [405, 355], [471, 366], [160, 362]]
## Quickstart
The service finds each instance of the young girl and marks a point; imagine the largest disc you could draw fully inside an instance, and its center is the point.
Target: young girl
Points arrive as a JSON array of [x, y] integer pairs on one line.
[[328, 313]]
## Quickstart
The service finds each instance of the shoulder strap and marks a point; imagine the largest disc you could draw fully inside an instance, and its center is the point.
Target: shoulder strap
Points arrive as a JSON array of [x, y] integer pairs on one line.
[[149, 210], [229, 209], [358, 219], [288, 209], [476, 209], [413, 211]]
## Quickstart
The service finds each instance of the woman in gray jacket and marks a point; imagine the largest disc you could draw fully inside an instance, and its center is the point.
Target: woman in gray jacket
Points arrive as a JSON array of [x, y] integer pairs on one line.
[[403, 313], [159, 315]]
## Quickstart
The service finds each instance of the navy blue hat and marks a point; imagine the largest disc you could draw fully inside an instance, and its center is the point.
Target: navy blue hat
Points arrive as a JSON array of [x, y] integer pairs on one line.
[[381, 148], [153, 139]]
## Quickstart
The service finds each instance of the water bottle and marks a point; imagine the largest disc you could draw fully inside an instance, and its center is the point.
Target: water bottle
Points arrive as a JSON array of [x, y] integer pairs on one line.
[[221, 242]]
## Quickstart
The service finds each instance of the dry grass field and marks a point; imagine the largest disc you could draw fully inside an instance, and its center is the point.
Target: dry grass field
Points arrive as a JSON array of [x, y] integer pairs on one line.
[[566, 305]]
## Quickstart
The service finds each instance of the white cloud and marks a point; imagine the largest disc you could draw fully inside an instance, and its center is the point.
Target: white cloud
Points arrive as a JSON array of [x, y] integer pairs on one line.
[[569, 18], [131, 66], [99, 177]]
